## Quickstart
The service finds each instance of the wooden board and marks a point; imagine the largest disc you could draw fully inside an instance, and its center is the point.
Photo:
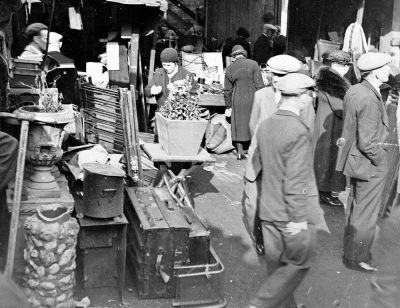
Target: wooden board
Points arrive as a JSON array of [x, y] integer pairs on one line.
[[157, 154]]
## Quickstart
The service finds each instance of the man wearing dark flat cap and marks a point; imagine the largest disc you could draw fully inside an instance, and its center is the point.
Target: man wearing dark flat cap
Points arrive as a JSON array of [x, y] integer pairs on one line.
[[242, 79], [289, 220], [363, 157], [263, 46], [36, 35]]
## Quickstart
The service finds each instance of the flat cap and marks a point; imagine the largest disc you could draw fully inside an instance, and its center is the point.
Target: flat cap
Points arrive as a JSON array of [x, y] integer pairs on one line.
[[238, 50], [269, 27], [295, 83], [372, 61], [283, 64], [34, 29], [169, 55]]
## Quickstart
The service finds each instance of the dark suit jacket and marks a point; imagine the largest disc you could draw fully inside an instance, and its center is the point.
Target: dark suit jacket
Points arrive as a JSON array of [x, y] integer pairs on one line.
[[365, 129], [262, 49], [287, 177]]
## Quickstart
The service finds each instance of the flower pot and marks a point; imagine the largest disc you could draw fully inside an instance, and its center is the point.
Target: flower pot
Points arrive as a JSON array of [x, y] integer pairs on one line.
[[50, 250], [180, 137]]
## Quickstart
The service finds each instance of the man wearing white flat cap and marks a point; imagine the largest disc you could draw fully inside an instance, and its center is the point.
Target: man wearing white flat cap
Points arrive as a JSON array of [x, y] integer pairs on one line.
[[362, 157], [287, 217]]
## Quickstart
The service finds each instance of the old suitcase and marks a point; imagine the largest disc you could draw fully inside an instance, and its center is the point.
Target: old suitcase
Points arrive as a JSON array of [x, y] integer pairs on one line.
[[152, 250], [199, 236]]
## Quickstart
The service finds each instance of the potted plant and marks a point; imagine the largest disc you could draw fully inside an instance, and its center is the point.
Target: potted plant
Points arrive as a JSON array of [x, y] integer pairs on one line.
[[45, 138], [180, 121]]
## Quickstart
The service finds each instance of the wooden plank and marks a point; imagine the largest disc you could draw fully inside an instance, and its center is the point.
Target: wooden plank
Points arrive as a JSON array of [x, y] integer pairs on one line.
[[360, 12], [133, 58], [143, 113]]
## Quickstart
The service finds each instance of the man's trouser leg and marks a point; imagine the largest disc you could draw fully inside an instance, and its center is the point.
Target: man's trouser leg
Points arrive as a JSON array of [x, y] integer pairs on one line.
[[288, 261], [361, 217], [385, 283]]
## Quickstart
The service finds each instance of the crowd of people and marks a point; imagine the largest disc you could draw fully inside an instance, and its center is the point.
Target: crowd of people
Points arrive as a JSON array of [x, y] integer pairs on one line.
[[308, 139]]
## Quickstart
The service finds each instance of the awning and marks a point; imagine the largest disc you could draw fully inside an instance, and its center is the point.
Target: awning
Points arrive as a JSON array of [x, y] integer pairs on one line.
[[162, 4]]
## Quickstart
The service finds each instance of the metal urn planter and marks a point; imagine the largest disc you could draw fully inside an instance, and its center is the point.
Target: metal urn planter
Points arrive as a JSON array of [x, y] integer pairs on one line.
[[44, 149], [51, 237], [180, 137]]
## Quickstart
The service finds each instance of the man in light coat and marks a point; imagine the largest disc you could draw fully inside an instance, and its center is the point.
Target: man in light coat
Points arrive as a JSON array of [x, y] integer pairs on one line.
[[362, 157]]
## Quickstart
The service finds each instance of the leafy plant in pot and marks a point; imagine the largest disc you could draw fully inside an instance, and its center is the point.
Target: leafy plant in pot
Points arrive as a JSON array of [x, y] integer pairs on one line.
[[180, 121]]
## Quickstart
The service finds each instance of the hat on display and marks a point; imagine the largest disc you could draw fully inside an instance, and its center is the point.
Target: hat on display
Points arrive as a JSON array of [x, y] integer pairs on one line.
[[295, 83], [372, 61], [169, 55], [340, 57], [238, 50], [283, 64]]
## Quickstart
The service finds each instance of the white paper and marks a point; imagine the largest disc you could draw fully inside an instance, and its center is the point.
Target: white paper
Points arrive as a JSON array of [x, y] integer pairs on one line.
[[112, 50], [95, 71], [215, 67], [75, 19]]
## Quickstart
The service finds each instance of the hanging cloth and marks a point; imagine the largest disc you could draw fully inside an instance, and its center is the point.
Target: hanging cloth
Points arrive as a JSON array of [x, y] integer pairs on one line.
[[354, 39]]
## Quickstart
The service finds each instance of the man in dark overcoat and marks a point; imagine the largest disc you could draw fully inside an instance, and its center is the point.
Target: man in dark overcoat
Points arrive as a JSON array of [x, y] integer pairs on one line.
[[263, 46], [242, 79], [284, 207], [362, 157]]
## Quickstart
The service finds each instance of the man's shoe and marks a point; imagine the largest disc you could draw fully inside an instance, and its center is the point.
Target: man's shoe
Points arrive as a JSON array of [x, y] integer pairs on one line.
[[361, 266], [328, 199]]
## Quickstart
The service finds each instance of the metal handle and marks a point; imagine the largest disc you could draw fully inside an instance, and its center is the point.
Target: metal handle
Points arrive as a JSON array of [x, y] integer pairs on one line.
[[108, 191]]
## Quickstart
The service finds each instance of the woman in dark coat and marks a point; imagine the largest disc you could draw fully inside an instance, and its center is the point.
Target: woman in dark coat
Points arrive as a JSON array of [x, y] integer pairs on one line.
[[332, 87], [242, 79]]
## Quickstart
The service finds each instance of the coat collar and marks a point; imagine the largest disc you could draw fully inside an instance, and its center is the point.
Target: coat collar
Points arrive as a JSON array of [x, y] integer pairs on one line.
[[381, 104], [288, 113], [371, 87]]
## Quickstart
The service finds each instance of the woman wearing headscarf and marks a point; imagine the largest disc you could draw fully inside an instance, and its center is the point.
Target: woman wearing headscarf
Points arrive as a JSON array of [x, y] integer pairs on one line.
[[332, 87], [242, 79]]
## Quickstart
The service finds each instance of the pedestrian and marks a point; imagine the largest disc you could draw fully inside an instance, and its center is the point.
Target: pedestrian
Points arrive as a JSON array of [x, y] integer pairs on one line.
[[385, 282], [265, 104], [284, 208], [36, 35], [362, 157], [242, 39], [332, 87], [279, 42], [242, 79], [263, 46]]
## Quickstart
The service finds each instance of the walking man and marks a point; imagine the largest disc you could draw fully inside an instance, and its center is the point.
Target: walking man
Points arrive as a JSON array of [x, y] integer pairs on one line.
[[362, 157], [284, 209]]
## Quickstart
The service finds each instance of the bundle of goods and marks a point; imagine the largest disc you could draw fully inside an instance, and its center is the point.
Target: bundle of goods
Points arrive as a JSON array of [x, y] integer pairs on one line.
[[215, 88]]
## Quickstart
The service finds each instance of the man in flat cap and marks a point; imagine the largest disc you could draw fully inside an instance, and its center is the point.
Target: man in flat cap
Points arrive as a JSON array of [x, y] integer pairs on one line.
[[36, 35], [362, 157], [287, 216], [263, 46]]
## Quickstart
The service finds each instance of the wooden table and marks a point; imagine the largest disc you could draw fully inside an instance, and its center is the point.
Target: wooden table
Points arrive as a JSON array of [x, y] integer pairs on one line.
[[173, 170], [211, 100]]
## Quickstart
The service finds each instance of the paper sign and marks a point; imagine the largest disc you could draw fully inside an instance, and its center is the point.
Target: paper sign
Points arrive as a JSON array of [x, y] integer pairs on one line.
[[75, 19], [95, 71], [112, 50]]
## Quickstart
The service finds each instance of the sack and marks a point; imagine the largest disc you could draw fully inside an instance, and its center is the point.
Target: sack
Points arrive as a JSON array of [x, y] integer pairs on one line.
[[216, 135], [226, 144]]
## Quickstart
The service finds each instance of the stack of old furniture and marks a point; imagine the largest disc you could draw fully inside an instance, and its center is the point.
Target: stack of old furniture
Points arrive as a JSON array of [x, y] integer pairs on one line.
[[168, 250], [102, 239]]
